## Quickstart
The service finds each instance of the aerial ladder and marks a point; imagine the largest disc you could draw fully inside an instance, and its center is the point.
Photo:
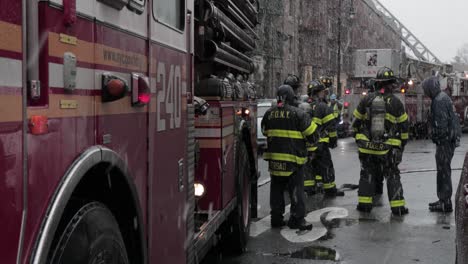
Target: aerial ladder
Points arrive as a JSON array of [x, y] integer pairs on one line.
[[425, 62]]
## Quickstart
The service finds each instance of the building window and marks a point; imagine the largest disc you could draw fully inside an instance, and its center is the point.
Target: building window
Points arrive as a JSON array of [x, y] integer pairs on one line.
[[170, 12]]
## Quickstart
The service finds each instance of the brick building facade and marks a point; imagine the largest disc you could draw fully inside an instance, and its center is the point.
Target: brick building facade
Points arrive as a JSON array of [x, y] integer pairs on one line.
[[301, 37]]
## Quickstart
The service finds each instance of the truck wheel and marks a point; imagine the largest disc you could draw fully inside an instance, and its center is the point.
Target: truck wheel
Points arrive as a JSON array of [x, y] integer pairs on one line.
[[239, 219], [92, 236]]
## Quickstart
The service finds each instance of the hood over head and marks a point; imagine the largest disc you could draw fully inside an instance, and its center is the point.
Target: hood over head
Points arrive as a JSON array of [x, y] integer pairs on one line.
[[431, 87]]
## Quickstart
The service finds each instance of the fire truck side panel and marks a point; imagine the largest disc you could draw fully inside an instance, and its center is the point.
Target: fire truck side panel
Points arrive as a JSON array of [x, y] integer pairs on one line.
[[169, 184], [209, 171], [71, 130], [228, 149], [461, 106], [11, 129], [50, 154]]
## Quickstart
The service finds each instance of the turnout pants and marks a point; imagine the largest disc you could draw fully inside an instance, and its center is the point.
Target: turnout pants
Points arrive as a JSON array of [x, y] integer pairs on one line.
[[444, 155], [373, 168], [295, 186], [379, 179], [320, 170]]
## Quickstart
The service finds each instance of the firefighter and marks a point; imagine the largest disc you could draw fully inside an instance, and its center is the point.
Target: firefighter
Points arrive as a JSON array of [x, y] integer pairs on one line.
[[379, 178], [323, 171], [287, 129], [328, 83], [294, 81], [336, 107], [381, 127]]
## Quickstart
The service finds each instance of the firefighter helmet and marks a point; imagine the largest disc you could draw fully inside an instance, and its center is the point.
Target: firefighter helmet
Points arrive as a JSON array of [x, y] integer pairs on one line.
[[385, 74], [293, 81], [327, 81], [286, 95], [314, 87]]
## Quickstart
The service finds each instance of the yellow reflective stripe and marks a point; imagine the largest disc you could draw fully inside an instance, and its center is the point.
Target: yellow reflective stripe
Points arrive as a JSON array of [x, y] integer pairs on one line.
[[284, 133], [397, 203], [317, 120], [393, 141], [308, 183], [318, 177], [373, 152], [284, 157], [365, 199], [391, 118], [312, 148], [404, 135], [402, 118], [326, 140], [329, 185], [310, 130], [333, 134], [280, 173], [360, 136], [328, 118], [359, 115]]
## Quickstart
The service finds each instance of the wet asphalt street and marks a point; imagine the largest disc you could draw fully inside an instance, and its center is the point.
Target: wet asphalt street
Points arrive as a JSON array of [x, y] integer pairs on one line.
[[352, 237]]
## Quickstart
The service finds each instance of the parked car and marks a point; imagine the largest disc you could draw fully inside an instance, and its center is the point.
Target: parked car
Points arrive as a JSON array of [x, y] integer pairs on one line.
[[262, 107]]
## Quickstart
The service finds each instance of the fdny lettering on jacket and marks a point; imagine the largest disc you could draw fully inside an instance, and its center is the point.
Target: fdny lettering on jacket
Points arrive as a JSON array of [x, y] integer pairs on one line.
[[279, 114], [277, 166], [375, 146]]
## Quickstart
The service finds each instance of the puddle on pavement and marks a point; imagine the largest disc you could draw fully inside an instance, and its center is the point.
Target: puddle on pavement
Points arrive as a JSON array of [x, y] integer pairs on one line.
[[312, 252], [337, 223], [316, 253], [329, 235]]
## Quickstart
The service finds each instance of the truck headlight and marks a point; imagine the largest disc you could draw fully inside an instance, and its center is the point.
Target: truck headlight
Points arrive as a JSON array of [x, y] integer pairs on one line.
[[199, 190]]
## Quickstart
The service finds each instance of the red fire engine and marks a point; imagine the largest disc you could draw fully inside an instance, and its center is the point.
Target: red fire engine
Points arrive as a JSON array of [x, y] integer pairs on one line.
[[127, 129]]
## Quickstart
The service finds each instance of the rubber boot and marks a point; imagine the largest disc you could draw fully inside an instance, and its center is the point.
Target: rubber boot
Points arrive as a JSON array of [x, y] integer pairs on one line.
[[399, 211], [299, 224]]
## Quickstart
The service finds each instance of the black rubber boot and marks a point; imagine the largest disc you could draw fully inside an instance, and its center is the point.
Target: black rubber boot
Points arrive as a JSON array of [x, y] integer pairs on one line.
[[365, 208], [443, 207], [333, 192], [299, 224], [434, 203], [399, 211], [277, 223], [377, 200]]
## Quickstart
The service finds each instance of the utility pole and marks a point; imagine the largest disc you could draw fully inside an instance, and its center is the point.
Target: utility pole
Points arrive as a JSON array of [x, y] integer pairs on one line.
[[338, 83]]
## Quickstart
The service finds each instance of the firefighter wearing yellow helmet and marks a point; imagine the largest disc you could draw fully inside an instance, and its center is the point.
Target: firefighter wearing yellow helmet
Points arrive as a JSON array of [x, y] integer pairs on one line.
[[381, 126]]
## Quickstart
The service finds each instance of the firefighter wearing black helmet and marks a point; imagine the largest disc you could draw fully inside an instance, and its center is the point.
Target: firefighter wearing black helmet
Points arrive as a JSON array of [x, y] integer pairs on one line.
[[333, 135], [381, 126], [293, 81], [287, 129], [321, 165]]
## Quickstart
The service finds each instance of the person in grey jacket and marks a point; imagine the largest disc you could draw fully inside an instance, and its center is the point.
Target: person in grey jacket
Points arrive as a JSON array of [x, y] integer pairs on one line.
[[446, 133]]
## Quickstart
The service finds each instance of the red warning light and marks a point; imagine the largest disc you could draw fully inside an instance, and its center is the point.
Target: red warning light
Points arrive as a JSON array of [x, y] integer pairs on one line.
[[347, 91], [346, 104]]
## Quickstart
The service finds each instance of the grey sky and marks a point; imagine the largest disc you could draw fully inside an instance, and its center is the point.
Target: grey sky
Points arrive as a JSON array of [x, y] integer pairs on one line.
[[441, 25]]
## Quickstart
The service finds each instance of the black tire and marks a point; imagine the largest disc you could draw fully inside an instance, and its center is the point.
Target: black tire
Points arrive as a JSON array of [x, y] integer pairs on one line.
[[239, 219], [91, 236]]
